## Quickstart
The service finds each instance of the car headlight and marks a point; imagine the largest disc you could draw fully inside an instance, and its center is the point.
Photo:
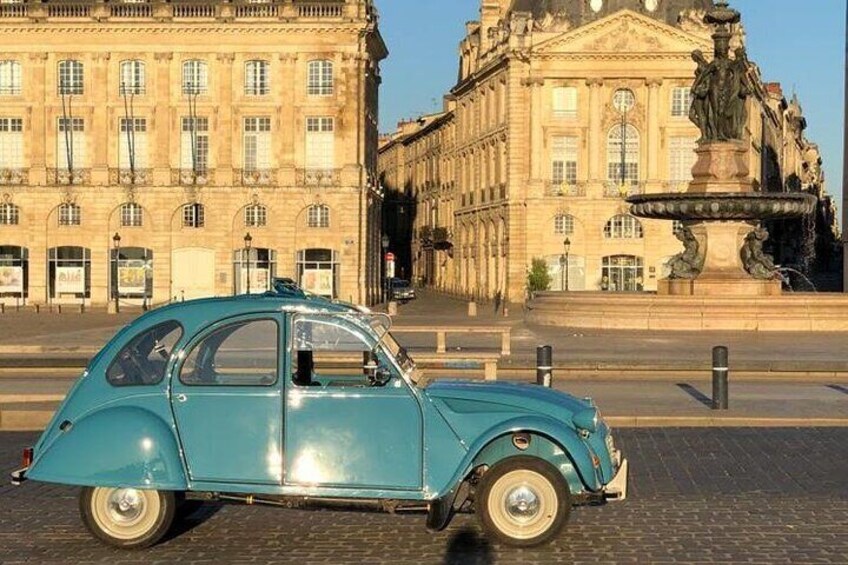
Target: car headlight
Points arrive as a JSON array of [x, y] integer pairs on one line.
[[586, 420]]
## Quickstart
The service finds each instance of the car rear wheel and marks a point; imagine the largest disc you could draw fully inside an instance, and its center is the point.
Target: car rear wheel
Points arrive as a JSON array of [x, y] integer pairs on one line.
[[523, 501], [126, 517]]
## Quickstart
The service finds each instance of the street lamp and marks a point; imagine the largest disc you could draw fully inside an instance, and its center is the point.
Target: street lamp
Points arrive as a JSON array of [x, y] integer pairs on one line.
[[116, 239], [385, 242], [248, 239], [566, 245]]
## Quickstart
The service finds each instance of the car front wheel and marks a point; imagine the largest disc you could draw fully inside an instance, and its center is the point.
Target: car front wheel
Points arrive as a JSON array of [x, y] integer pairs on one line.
[[126, 517], [523, 501]]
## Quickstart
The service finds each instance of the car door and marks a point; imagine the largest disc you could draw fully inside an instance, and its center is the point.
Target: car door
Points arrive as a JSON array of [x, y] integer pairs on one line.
[[343, 430], [227, 401]]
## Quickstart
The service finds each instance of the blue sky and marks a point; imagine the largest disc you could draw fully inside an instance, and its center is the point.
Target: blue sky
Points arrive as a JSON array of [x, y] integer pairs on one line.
[[799, 44]]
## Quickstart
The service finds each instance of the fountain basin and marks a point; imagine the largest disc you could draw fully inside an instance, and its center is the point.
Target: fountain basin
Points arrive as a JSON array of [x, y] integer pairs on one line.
[[751, 206]]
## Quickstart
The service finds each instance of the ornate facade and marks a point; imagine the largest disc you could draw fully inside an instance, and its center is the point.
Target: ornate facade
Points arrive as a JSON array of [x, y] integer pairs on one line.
[[155, 151], [562, 109]]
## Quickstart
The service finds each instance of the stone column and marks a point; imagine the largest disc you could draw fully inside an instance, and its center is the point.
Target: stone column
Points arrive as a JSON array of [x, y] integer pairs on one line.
[[595, 133], [159, 146], [653, 133], [225, 130], [99, 126]]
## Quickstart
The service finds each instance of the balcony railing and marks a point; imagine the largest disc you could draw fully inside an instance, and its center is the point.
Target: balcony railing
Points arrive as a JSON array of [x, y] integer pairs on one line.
[[316, 11], [65, 177], [192, 10], [255, 177], [319, 177], [255, 10], [190, 177], [14, 176], [442, 238], [575, 189], [13, 10], [133, 10], [615, 189], [127, 177], [69, 10]]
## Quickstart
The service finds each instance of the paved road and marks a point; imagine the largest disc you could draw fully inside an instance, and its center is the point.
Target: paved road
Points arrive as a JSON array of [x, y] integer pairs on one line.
[[698, 496]]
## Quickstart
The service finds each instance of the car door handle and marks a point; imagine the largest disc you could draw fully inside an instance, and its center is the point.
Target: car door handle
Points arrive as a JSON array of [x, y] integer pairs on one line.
[[181, 398]]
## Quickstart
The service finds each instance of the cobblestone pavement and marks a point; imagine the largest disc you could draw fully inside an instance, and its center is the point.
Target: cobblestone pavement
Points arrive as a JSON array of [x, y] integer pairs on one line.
[[698, 496]]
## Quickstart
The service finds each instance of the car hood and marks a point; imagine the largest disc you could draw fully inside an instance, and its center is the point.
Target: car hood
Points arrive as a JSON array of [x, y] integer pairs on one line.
[[499, 397]]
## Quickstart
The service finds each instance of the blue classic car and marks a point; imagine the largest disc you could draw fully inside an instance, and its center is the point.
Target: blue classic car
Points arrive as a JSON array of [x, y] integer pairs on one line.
[[294, 401]]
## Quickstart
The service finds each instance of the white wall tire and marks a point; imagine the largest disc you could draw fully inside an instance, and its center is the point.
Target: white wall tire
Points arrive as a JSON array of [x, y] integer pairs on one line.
[[523, 501], [126, 517]]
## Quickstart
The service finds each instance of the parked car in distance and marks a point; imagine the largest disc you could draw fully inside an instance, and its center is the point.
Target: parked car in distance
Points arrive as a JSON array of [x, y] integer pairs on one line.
[[293, 401], [401, 290]]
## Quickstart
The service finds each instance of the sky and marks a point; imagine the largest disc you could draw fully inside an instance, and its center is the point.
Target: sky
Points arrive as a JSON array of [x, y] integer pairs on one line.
[[800, 44]]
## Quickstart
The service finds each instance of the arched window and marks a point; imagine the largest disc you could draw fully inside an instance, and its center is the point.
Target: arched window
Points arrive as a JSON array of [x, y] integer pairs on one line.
[[10, 78], [195, 77], [623, 227], [70, 214], [70, 77], [256, 216], [132, 77], [623, 154], [564, 224], [320, 81], [256, 81], [318, 216], [194, 215], [132, 215], [10, 214]]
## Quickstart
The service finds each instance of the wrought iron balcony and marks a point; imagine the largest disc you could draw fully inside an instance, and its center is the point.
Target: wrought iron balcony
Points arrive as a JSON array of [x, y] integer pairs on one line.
[[255, 177], [617, 189], [442, 238], [190, 177], [553, 188], [139, 177], [14, 176], [65, 177], [319, 177]]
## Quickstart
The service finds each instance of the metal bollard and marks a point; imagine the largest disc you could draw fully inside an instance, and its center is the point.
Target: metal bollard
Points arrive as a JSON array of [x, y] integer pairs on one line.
[[544, 366], [721, 372]]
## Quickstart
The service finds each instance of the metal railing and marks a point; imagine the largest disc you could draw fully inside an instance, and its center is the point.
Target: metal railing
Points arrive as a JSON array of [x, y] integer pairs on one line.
[[190, 177], [554, 188], [615, 189], [255, 177], [139, 177], [63, 176], [14, 176], [319, 177]]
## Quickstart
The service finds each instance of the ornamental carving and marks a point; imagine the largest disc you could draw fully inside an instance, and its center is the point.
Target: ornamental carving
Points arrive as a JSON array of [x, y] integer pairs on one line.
[[626, 37]]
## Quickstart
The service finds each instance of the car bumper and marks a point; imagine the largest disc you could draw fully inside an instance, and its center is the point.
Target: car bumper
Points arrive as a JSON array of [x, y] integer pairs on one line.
[[19, 476], [616, 489]]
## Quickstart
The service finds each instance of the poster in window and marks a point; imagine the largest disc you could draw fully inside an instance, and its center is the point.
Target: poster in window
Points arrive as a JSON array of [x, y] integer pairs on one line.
[[132, 277], [259, 280], [70, 280], [318, 281], [12, 279]]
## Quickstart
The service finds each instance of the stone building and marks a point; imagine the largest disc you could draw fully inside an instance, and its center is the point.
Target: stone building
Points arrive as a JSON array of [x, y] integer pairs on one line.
[[154, 150], [562, 109]]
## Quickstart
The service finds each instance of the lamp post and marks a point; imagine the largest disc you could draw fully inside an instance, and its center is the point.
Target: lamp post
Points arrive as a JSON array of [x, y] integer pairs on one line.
[[385, 243], [116, 239], [248, 239], [567, 246]]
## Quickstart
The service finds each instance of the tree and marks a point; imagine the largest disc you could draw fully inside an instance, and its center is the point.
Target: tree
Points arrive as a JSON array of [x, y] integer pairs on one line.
[[538, 278]]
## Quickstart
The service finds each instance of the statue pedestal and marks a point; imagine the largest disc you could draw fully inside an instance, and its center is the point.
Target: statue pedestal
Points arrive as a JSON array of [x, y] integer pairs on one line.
[[721, 167]]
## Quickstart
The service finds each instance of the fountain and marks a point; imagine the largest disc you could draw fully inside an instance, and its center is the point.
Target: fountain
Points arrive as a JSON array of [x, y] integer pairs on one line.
[[723, 280], [721, 210]]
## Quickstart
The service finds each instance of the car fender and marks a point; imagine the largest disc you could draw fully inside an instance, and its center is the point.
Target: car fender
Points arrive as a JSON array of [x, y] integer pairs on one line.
[[121, 446], [490, 447]]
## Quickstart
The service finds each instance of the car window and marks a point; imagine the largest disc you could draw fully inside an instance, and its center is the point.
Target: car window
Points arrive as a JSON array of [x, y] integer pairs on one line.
[[144, 359], [329, 354], [239, 354]]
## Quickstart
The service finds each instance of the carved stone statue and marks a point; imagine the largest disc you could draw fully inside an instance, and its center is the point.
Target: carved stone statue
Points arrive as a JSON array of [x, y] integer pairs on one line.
[[687, 265], [721, 87], [757, 262]]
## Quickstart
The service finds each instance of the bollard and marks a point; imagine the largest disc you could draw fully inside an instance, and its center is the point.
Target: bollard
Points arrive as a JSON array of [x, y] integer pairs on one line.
[[544, 366], [721, 372]]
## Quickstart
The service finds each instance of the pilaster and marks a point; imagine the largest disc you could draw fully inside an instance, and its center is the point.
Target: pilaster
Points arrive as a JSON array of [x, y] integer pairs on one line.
[[226, 129], [653, 133], [159, 152], [595, 134]]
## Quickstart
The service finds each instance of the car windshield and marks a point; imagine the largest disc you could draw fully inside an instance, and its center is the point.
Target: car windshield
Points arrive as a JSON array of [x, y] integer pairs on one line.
[[400, 355], [400, 283]]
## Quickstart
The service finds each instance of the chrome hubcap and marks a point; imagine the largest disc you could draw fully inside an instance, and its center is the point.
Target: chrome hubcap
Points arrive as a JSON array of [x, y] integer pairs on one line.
[[125, 505], [522, 503]]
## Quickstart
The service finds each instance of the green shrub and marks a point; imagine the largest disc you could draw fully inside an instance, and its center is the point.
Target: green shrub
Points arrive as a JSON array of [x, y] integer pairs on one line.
[[538, 278]]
